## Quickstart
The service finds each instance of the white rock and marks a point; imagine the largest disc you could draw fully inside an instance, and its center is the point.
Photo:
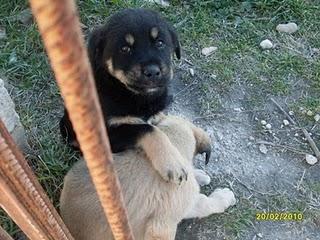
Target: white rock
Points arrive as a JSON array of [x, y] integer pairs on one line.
[[263, 148], [311, 159], [160, 2], [296, 134], [317, 117], [251, 138], [25, 16], [263, 122], [291, 113], [3, 34], [208, 51], [287, 28], [191, 71], [259, 235], [266, 44], [10, 118], [237, 109], [268, 126], [286, 122], [310, 113]]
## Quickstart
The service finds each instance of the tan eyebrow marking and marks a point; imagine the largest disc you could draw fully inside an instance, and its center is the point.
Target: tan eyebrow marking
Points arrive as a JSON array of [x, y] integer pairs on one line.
[[130, 39], [154, 32]]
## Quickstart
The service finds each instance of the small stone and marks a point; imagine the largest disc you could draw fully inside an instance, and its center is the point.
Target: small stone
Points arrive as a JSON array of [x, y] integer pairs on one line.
[[286, 122], [208, 51], [296, 134], [317, 117], [191, 71], [25, 17], [266, 44], [3, 34], [237, 109], [309, 113], [263, 148], [160, 2], [287, 28], [251, 138], [268, 126], [256, 119], [311, 159], [259, 235], [213, 76], [291, 113], [11, 119], [263, 122]]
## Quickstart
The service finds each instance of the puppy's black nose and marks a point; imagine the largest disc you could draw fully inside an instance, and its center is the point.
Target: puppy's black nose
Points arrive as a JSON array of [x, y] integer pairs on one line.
[[151, 71]]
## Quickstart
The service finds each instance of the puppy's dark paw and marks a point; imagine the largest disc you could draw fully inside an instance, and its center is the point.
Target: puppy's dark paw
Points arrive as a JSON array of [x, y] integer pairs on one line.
[[203, 143]]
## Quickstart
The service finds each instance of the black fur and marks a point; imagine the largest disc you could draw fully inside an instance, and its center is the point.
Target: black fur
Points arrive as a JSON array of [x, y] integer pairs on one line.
[[132, 99]]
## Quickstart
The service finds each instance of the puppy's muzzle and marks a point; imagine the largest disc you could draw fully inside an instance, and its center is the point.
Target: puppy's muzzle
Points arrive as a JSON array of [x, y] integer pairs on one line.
[[152, 72]]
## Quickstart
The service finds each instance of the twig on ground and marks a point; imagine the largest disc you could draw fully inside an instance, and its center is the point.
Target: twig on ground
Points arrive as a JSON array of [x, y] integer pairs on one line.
[[186, 88], [305, 132], [312, 143], [284, 112], [292, 149], [253, 190], [301, 179]]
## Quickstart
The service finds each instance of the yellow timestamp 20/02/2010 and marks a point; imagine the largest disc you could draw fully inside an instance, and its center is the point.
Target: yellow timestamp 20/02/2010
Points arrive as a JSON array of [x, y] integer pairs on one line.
[[279, 216]]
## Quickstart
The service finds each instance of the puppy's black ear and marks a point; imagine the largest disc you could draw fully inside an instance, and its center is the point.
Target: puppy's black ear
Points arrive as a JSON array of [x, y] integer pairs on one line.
[[96, 44], [175, 40]]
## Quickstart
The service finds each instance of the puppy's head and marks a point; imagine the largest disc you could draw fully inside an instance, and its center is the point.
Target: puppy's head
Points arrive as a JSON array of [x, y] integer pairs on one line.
[[136, 47]]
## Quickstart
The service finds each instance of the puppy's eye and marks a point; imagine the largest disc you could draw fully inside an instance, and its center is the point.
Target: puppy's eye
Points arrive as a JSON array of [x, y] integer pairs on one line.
[[125, 49], [160, 44]]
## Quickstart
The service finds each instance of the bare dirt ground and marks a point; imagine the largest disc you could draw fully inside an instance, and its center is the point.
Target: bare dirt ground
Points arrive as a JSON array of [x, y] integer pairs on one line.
[[274, 181]]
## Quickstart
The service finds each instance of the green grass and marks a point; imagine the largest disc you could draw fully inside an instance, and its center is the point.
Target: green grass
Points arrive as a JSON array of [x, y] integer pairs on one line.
[[235, 27]]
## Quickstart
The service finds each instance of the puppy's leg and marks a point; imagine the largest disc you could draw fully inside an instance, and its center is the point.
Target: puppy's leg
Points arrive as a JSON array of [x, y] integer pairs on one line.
[[67, 131], [202, 177], [217, 202], [203, 141], [164, 157], [160, 230]]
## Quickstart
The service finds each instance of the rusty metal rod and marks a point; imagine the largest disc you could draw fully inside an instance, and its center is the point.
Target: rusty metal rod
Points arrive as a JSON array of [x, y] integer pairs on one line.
[[60, 29], [23, 198], [4, 235]]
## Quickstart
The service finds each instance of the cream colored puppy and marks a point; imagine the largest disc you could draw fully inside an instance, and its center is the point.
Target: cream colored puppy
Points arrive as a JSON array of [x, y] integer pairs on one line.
[[154, 206]]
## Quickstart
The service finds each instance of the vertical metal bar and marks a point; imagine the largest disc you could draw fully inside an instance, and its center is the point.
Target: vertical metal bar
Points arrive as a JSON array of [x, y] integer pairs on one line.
[[60, 29], [4, 235], [23, 198]]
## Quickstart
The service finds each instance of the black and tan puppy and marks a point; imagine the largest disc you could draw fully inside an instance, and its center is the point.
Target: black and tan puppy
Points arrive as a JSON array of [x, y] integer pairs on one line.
[[131, 57]]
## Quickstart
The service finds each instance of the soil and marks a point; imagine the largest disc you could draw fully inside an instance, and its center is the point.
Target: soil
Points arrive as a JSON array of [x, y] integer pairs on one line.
[[237, 163]]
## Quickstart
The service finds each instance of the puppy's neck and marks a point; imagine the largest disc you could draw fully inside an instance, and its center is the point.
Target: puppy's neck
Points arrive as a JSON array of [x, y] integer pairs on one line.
[[125, 102]]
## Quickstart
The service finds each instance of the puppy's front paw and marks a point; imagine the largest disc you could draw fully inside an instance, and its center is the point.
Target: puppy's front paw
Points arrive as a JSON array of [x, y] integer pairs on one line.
[[172, 168], [202, 177], [224, 197]]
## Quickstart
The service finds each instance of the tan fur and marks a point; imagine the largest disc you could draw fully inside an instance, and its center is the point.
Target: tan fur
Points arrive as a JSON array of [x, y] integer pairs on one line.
[[125, 120], [154, 206], [154, 32], [129, 39], [118, 74]]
